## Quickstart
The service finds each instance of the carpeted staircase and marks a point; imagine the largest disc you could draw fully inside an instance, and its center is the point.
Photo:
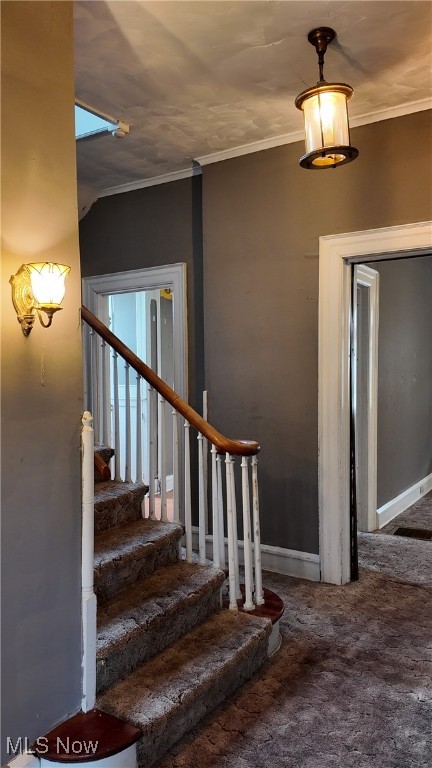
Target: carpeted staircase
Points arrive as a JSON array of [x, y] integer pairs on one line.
[[166, 653]]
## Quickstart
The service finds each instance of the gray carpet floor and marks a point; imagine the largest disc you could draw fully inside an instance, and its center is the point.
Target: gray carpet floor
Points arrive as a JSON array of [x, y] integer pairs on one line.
[[351, 686]]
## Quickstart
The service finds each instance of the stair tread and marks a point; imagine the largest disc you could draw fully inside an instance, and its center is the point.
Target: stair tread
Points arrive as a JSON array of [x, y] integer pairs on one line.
[[130, 552], [150, 599], [104, 735], [188, 670], [130, 537]]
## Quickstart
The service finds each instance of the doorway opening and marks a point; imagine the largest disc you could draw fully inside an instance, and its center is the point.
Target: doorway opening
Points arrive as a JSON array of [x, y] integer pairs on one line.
[[143, 320], [391, 374], [338, 254], [146, 309]]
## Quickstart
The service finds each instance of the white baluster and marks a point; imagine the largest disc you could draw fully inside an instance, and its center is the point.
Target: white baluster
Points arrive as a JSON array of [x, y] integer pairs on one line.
[[139, 473], [87, 564], [259, 594], [87, 382], [201, 502], [188, 513], [95, 383], [176, 472], [235, 532], [153, 451], [248, 604], [205, 462], [215, 510], [163, 472], [128, 435], [103, 394], [220, 512], [230, 525], [117, 448]]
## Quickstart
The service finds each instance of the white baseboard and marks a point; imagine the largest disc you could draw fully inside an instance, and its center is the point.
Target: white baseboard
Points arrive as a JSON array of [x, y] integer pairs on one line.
[[393, 508], [125, 759], [290, 562], [24, 761]]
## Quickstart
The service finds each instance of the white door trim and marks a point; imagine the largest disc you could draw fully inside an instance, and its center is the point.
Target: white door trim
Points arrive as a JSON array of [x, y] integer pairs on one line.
[[171, 276], [336, 255], [368, 278]]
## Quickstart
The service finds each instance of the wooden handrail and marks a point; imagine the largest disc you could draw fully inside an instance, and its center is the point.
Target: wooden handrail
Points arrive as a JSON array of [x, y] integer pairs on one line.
[[101, 468], [223, 444]]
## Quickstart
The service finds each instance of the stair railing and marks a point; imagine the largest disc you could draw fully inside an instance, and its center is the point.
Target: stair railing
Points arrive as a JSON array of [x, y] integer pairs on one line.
[[105, 348]]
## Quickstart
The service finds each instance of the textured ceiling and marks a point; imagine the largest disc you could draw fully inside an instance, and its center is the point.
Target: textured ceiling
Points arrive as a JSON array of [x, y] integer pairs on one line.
[[193, 78]]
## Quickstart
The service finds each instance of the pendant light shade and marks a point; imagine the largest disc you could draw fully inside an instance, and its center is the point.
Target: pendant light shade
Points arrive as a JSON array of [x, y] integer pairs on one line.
[[325, 113]]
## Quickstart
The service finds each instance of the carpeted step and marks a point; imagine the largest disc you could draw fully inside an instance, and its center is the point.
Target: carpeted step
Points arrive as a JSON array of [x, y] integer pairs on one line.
[[171, 693], [151, 615], [131, 551], [117, 503]]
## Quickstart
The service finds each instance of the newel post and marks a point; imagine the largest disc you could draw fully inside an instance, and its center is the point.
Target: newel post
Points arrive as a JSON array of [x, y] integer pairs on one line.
[[88, 595]]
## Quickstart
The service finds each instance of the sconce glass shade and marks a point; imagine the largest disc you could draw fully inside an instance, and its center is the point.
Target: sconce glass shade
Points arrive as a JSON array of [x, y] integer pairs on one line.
[[38, 288], [48, 282], [325, 113]]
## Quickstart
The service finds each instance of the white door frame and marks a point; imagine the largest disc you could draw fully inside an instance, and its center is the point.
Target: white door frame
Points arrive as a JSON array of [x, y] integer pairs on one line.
[[366, 443], [337, 253], [171, 276]]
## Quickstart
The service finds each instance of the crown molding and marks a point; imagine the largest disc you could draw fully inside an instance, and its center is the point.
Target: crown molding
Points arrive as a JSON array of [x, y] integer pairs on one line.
[[262, 144], [247, 149], [391, 112], [184, 173], [291, 138]]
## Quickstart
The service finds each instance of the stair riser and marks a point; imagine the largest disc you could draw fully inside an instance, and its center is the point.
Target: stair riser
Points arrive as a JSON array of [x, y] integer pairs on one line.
[[111, 512], [145, 642], [114, 576], [161, 734], [108, 517]]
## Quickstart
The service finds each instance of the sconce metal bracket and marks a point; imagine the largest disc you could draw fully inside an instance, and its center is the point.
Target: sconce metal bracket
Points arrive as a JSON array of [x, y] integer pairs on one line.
[[23, 299]]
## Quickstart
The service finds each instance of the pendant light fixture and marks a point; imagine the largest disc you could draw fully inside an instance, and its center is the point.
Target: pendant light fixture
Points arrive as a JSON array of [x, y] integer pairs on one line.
[[325, 112]]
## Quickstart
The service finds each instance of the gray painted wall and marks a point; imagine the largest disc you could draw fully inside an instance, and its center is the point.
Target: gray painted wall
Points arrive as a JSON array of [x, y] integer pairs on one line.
[[262, 217], [404, 375], [41, 380]]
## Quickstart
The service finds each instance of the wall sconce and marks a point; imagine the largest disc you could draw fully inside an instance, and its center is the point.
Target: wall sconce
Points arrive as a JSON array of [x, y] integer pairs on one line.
[[325, 112], [38, 288]]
